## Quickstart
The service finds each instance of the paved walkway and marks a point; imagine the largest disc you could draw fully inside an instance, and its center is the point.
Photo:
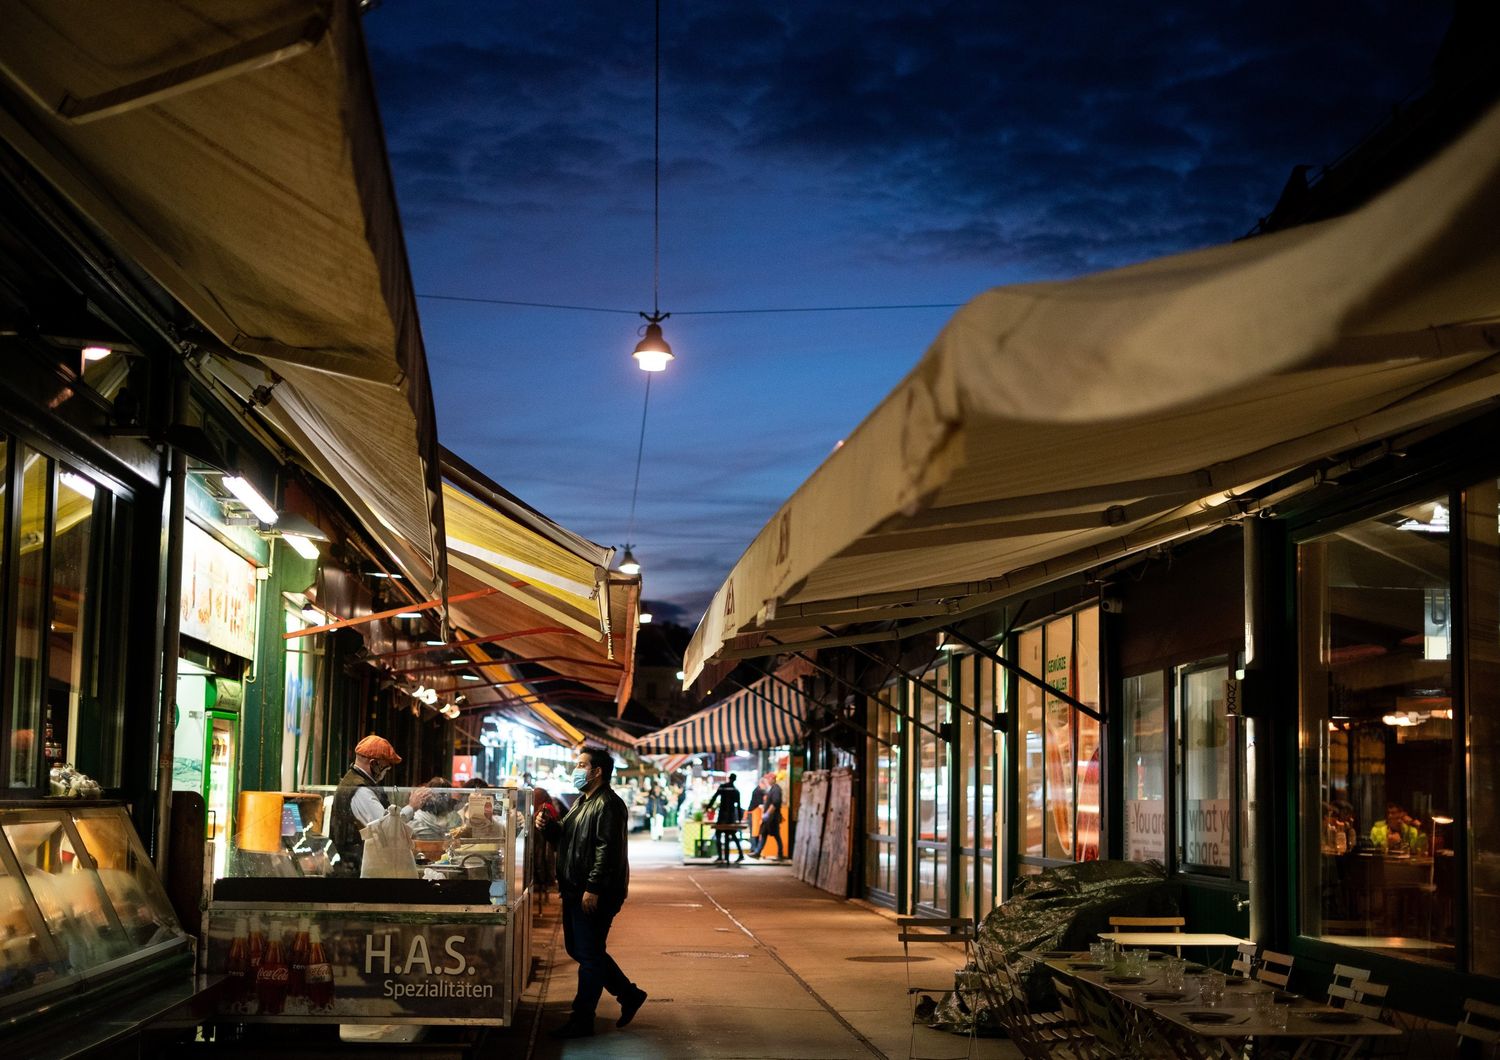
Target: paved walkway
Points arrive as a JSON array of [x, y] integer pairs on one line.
[[739, 962]]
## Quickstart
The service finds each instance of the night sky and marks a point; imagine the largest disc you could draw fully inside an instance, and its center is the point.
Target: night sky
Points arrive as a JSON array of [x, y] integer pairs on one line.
[[813, 155]]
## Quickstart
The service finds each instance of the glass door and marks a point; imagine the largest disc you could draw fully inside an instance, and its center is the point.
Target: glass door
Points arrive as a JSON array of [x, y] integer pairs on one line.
[[222, 753]]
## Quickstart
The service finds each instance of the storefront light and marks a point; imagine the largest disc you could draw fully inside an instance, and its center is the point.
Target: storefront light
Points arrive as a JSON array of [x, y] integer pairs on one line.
[[469, 677], [92, 354], [410, 614], [646, 617], [303, 546], [250, 497]]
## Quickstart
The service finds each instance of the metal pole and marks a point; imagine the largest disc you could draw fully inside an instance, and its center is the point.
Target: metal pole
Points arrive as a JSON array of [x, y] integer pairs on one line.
[[1256, 715], [171, 635]]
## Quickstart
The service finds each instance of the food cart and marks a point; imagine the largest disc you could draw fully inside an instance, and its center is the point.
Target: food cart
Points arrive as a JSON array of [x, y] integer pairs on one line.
[[448, 944]]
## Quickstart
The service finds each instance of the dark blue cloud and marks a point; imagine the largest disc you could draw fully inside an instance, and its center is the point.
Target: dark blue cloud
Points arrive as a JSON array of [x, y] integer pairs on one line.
[[812, 154]]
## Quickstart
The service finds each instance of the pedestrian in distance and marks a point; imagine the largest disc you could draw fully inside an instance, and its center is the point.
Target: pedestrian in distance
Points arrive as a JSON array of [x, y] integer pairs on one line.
[[656, 809], [770, 819], [727, 798], [593, 877], [757, 799]]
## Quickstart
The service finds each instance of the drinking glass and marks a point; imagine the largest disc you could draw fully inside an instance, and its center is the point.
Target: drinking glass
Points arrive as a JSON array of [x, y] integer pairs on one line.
[[1265, 1001], [1138, 961], [1174, 973], [1279, 1015], [1099, 952], [1212, 991]]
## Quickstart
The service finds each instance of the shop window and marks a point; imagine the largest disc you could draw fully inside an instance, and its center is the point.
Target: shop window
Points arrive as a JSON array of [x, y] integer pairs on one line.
[[31, 623], [883, 793], [1144, 713], [932, 778], [1378, 744], [986, 795], [65, 704], [1206, 832], [1482, 563], [1059, 773], [302, 703]]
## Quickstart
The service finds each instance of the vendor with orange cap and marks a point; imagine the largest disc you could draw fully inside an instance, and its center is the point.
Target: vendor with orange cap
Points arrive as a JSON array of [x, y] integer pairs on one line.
[[360, 799]]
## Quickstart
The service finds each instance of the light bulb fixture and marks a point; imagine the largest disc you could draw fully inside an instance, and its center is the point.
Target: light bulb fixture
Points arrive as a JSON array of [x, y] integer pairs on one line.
[[251, 498], [92, 354], [409, 614], [652, 353], [628, 563], [78, 484], [469, 677], [645, 618], [303, 546]]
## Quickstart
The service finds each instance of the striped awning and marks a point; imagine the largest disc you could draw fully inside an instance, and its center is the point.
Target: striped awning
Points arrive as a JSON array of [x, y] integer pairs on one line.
[[671, 763], [766, 714]]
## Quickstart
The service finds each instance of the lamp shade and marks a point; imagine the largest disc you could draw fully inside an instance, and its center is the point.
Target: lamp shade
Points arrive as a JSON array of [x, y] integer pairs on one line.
[[629, 564], [652, 353]]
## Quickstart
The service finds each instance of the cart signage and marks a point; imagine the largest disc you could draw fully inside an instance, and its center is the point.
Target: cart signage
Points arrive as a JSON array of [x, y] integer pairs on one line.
[[337, 966]]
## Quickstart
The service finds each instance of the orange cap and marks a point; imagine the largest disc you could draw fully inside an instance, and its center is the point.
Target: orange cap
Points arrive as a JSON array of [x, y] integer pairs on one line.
[[377, 748]]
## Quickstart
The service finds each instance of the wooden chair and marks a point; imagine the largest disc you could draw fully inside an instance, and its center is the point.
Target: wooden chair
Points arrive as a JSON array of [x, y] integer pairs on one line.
[[1481, 1024], [1352, 990], [1174, 924], [1243, 964], [1274, 968], [923, 931]]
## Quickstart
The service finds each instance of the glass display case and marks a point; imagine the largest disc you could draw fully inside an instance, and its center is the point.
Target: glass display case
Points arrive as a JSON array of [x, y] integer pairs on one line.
[[78, 900]]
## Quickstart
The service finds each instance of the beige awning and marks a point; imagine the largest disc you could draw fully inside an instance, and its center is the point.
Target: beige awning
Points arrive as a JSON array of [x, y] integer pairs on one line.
[[235, 153], [1054, 427]]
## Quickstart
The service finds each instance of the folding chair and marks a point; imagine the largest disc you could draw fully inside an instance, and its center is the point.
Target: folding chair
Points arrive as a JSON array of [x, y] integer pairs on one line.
[[1173, 924], [1274, 968], [921, 930], [1481, 1024], [1037, 1035], [1351, 990], [1243, 964]]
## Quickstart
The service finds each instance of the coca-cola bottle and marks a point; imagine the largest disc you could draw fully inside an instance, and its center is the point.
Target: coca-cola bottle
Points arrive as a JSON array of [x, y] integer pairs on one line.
[[297, 976], [319, 974], [271, 980], [237, 966], [257, 949]]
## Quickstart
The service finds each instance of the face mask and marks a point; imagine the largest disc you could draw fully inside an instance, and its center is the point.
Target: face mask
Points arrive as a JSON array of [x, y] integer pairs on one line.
[[580, 778]]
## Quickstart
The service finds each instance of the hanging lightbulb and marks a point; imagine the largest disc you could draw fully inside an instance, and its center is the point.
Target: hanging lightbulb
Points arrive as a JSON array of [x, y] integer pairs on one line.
[[652, 354], [628, 563]]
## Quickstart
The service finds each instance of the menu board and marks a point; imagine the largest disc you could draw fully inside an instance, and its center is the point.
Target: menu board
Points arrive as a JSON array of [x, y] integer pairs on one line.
[[218, 593]]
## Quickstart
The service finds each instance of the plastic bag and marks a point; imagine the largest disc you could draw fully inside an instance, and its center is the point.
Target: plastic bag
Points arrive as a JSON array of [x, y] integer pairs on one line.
[[387, 852]]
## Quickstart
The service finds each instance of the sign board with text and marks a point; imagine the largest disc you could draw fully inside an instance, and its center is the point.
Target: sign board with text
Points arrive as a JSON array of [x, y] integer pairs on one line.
[[347, 964]]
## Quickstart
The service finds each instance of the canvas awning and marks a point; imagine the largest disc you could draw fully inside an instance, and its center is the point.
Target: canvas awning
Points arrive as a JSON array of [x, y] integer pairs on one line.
[[236, 155], [766, 714], [1053, 427]]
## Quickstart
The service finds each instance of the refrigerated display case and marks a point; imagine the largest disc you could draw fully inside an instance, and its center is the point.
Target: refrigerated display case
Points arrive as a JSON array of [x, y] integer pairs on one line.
[[80, 906], [448, 944], [204, 752]]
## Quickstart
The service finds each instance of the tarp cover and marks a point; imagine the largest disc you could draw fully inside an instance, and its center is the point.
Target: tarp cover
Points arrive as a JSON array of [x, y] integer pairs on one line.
[[1054, 426], [235, 153], [1063, 908]]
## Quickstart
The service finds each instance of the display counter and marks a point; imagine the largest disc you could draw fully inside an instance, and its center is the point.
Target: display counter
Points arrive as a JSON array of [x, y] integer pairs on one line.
[[441, 936], [81, 908]]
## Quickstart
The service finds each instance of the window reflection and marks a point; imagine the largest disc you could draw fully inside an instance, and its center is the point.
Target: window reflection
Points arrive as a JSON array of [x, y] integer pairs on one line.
[[1145, 717], [31, 612], [1378, 734]]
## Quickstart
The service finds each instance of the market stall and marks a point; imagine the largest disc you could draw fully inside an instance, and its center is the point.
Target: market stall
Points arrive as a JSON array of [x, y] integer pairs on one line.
[[435, 931]]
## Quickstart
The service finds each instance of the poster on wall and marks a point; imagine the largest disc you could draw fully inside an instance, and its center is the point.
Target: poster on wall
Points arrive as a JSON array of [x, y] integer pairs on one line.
[[389, 967], [218, 594]]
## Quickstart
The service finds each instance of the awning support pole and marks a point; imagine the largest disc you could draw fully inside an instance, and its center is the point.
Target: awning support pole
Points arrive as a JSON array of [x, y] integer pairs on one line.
[[171, 633], [424, 605], [1026, 675], [833, 710], [890, 668], [934, 689], [265, 50]]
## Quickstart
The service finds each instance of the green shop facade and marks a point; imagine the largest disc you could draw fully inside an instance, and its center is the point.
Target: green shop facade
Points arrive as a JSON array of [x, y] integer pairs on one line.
[[1297, 714]]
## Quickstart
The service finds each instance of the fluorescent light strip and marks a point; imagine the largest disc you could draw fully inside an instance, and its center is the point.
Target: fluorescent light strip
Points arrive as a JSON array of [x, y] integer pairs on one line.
[[251, 498], [303, 546]]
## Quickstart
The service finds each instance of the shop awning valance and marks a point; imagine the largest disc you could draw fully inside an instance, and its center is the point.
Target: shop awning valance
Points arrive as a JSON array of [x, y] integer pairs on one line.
[[1053, 427], [234, 152], [766, 714]]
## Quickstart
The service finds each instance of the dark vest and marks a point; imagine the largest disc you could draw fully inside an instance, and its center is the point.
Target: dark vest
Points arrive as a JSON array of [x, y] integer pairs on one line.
[[343, 829]]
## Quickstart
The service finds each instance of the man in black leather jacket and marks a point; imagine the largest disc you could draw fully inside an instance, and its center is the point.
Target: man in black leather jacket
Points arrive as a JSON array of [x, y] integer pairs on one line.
[[593, 876]]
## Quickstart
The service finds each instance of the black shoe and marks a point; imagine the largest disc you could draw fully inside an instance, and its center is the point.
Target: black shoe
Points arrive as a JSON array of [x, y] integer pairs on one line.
[[574, 1028], [739, 859], [629, 1007]]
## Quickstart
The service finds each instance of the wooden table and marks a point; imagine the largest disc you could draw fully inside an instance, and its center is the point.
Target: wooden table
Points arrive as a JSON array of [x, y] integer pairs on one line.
[[1239, 1002]]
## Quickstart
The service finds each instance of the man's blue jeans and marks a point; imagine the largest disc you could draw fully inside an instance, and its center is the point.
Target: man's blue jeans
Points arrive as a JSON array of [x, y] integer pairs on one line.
[[584, 936]]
